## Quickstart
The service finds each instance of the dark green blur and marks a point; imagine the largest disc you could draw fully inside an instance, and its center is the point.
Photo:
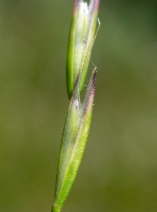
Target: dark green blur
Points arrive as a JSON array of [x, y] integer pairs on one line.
[[119, 169]]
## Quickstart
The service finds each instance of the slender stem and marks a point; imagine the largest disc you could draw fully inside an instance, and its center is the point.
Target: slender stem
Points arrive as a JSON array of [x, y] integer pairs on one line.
[[55, 209]]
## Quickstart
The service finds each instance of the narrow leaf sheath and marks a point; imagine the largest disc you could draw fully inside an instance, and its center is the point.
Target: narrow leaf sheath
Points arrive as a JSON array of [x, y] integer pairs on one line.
[[73, 143]]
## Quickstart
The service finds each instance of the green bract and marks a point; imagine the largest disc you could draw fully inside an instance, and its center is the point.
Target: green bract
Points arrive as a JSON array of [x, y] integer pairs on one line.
[[73, 143], [81, 39]]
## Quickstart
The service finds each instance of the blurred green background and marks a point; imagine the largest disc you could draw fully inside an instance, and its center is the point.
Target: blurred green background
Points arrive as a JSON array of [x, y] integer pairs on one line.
[[119, 169]]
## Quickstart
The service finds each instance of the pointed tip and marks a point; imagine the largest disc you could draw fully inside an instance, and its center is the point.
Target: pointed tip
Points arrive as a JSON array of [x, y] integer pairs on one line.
[[94, 79], [92, 91]]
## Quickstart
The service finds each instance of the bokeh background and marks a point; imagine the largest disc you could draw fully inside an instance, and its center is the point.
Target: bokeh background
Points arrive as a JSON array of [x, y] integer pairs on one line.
[[119, 169]]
